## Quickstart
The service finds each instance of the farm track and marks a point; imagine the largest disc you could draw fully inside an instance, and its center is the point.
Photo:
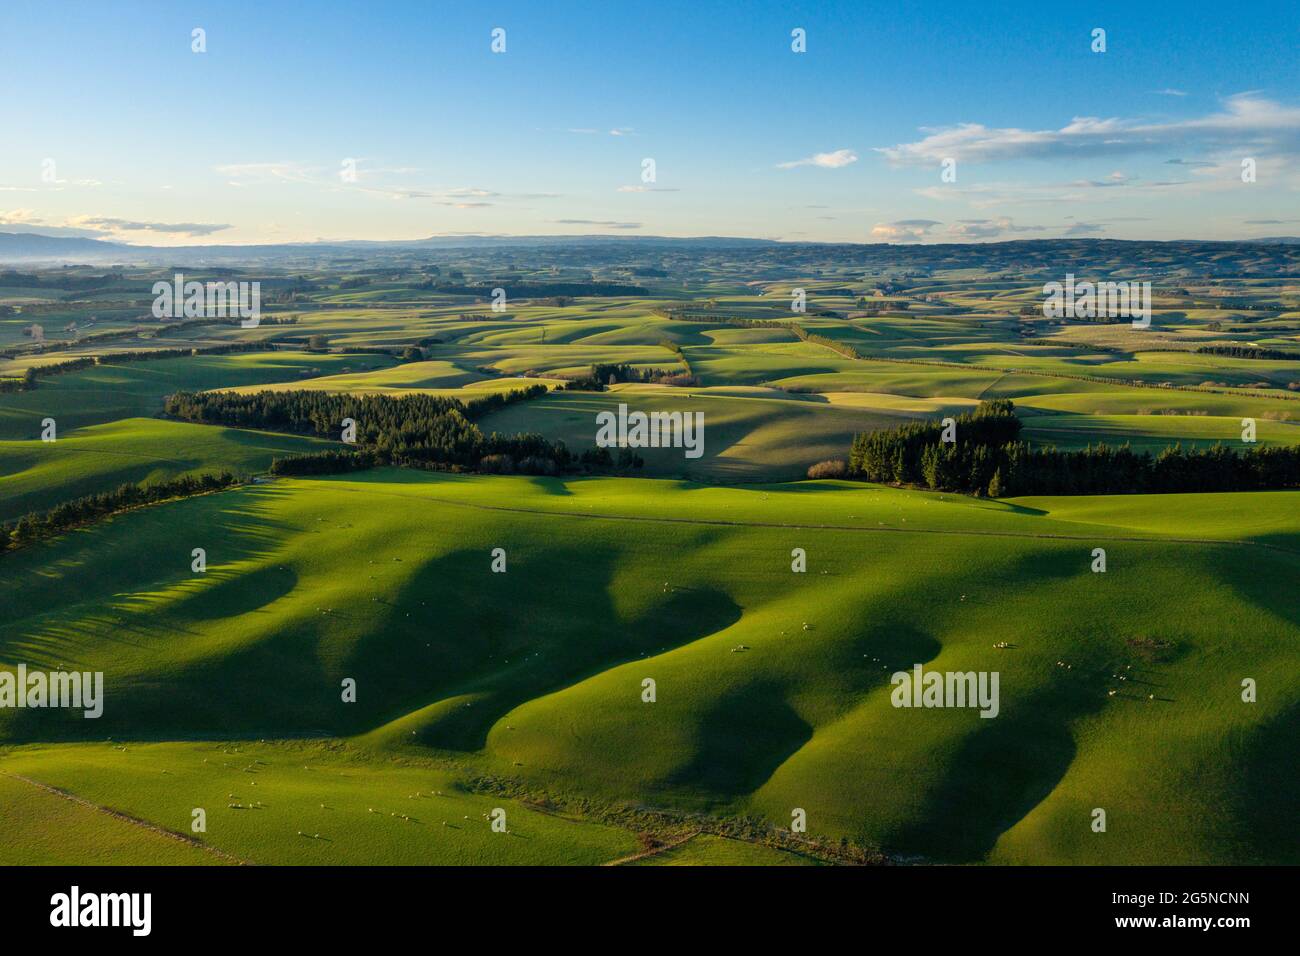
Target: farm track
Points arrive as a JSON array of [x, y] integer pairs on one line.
[[654, 851], [992, 384]]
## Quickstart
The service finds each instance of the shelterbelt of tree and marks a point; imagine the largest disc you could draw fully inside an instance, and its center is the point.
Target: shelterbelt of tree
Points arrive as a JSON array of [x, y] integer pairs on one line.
[[417, 428], [978, 452]]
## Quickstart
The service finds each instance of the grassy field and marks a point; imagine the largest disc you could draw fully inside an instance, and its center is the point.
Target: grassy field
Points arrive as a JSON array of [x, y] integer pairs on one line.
[[523, 691], [45, 829], [386, 579], [110, 391], [750, 434], [294, 803], [36, 475]]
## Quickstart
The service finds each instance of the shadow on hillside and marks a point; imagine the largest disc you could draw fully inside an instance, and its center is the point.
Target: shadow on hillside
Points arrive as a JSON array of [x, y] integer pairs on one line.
[[513, 637], [998, 774], [743, 737], [1268, 795]]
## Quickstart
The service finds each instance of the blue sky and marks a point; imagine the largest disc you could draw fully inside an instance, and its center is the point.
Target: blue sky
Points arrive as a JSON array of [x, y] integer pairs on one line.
[[114, 128]]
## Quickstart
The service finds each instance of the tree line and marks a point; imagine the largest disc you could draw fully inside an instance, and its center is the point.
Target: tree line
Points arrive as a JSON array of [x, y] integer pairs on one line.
[[1248, 352], [985, 456], [410, 430], [29, 380], [109, 335], [601, 374], [835, 345], [539, 290], [79, 511]]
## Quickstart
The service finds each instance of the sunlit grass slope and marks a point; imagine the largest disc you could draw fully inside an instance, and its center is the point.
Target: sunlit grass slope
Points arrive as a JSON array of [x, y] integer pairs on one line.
[[111, 391], [771, 686], [290, 803], [35, 475]]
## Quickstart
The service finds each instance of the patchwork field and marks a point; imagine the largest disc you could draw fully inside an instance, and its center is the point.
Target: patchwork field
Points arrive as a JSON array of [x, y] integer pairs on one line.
[[111, 391], [376, 661]]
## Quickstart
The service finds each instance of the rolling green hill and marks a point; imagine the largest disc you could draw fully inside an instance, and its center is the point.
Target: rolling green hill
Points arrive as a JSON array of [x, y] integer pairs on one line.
[[36, 475], [749, 434], [772, 686], [523, 691], [111, 391]]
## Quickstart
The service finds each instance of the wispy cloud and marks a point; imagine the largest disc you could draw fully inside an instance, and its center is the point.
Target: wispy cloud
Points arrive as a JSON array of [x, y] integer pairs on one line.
[[967, 229], [28, 221], [114, 225], [1246, 120], [368, 181], [833, 160], [1211, 177], [592, 131], [1084, 229], [100, 227], [904, 230], [602, 223], [249, 173]]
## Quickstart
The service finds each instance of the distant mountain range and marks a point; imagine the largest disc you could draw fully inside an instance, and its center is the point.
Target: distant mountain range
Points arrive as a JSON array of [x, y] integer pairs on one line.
[[33, 248]]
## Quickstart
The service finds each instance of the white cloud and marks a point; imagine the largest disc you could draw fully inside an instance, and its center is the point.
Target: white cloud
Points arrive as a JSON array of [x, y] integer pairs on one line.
[[242, 173], [99, 227], [1247, 121], [115, 225], [834, 160], [1208, 177], [967, 229], [904, 230], [603, 223]]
